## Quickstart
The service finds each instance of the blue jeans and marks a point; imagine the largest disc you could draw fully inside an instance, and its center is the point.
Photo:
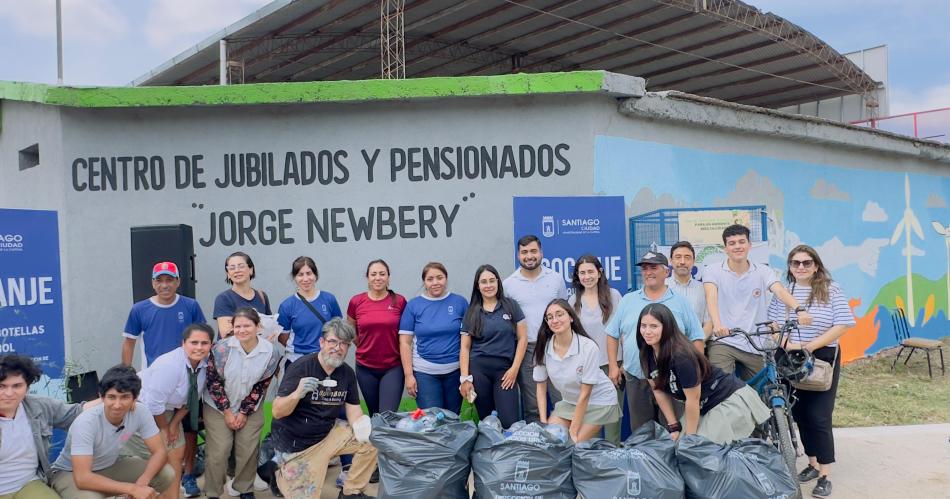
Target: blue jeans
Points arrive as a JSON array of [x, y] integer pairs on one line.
[[439, 390]]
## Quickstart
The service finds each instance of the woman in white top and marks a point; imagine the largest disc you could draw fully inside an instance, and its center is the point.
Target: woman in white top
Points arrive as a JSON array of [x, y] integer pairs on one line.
[[595, 301], [567, 357], [240, 368]]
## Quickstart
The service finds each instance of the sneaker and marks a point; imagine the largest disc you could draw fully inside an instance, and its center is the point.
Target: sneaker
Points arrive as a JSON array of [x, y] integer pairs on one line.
[[822, 488], [259, 483], [375, 477], [808, 474], [341, 478], [190, 485], [358, 495], [229, 488]]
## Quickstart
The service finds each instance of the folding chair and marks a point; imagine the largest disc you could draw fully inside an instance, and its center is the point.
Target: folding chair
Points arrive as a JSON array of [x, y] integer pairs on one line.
[[902, 331]]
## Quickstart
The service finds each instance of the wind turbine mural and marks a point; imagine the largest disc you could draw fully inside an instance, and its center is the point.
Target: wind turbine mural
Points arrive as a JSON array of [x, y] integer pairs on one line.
[[908, 222], [945, 232]]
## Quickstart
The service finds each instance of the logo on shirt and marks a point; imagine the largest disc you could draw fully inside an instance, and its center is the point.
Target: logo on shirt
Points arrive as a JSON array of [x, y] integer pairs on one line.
[[756, 293], [451, 309], [506, 317], [580, 370], [181, 317]]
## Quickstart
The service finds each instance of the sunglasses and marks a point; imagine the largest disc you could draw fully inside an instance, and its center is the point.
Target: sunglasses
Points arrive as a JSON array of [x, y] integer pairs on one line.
[[801, 263]]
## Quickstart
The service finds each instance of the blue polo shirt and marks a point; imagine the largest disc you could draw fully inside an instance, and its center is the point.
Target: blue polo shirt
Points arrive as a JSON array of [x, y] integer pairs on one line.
[[161, 325], [296, 317], [498, 334], [623, 324], [435, 323]]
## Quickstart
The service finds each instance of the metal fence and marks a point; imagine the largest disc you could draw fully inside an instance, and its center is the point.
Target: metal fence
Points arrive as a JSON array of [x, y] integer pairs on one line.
[[930, 125]]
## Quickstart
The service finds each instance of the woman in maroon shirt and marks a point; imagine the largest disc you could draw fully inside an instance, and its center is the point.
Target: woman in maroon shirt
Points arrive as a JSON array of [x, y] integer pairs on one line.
[[375, 315]]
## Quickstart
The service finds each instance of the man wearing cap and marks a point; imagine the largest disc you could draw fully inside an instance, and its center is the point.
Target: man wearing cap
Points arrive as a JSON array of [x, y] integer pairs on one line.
[[622, 329], [160, 319]]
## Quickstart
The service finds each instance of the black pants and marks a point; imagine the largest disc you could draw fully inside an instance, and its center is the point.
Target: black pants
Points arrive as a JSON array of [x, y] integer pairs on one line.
[[813, 411], [381, 388], [486, 374]]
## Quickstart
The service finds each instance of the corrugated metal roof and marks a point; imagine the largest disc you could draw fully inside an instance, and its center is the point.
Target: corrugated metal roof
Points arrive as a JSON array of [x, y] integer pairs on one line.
[[725, 49]]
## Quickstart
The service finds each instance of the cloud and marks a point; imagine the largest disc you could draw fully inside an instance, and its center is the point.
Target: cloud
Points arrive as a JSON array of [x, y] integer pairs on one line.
[[753, 188], [829, 191], [935, 200], [935, 126], [84, 21], [835, 255], [645, 201], [179, 24], [873, 213]]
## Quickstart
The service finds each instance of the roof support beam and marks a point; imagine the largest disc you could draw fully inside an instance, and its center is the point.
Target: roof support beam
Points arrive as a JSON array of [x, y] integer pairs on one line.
[[749, 81], [731, 69]]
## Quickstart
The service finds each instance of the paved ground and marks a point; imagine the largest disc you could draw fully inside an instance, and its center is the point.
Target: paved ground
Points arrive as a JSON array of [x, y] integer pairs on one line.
[[896, 462]]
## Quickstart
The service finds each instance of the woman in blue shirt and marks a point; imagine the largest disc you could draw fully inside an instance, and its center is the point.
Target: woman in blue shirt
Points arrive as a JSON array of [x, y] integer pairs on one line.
[[429, 342], [303, 314]]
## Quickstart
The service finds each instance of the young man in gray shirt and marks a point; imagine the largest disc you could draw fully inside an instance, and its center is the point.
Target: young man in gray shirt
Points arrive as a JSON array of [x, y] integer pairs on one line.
[[90, 465]]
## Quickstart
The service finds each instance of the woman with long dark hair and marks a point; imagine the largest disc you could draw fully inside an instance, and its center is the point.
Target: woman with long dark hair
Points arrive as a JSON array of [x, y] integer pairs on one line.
[[429, 342], [303, 314], [595, 301], [719, 406], [811, 285], [375, 315], [494, 340], [567, 357]]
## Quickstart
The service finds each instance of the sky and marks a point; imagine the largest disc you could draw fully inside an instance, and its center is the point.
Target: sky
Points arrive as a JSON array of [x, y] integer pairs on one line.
[[112, 42]]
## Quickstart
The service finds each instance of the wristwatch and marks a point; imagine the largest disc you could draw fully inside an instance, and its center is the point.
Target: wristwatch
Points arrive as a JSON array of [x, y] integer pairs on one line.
[[800, 308], [463, 379]]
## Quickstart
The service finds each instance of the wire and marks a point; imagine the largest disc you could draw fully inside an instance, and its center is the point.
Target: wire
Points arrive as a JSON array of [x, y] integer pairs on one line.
[[665, 47]]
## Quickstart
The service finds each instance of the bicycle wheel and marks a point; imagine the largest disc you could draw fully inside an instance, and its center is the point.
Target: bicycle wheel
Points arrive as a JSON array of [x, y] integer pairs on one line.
[[784, 442]]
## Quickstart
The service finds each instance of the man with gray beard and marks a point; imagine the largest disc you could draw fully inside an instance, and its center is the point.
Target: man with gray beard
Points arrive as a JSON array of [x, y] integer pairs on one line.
[[305, 429]]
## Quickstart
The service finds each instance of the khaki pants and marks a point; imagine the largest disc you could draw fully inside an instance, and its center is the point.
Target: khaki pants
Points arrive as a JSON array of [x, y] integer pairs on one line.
[[125, 469], [219, 439], [727, 357], [302, 475], [33, 490]]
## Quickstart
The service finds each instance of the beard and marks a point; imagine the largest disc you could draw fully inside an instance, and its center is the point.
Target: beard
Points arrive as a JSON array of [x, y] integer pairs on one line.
[[531, 265], [331, 360]]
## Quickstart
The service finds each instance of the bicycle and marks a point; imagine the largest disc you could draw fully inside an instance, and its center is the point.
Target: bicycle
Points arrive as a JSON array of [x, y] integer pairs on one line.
[[772, 387]]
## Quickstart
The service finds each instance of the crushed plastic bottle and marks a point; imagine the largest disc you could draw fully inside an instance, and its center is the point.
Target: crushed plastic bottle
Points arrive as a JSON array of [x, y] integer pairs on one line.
[[493, 422], [412, 422], [515, 427], [557, 431], [432, 421]]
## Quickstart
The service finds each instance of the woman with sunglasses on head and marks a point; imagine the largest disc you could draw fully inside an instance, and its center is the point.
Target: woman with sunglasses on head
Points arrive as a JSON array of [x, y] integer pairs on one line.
[[375, 315], [568, 358], [811, 285], [595, 301], [239, 269], [303, 314], [494, 340], [719, 406], [429, 342]]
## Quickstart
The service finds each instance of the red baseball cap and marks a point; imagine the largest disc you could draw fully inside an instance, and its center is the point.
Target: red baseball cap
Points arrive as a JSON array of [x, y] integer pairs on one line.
[[165, 268]]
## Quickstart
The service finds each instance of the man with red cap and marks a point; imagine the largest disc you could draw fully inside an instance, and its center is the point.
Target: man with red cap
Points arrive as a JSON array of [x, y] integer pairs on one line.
[[160, 319]]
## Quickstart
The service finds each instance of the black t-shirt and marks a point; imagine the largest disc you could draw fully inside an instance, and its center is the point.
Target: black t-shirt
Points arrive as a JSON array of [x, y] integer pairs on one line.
[[717, 386], [498, 336], [315, 414]]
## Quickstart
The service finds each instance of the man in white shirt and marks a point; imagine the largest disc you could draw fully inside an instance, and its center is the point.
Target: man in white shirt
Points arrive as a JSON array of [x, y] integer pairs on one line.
[[736, 297], [682, 259], [533, 286], [90, 465]]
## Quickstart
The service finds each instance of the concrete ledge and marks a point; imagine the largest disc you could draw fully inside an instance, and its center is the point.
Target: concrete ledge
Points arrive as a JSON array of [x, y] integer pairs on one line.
[[715, 113], [578, 82]]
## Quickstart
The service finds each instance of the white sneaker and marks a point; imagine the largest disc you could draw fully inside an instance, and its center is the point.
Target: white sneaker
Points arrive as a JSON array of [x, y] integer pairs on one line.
[[260, 484], [230, 489]]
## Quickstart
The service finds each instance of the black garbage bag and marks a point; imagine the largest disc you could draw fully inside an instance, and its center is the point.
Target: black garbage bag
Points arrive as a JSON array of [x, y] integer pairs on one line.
[[529, 463], [643, 467], [749, 468], [429, 464]]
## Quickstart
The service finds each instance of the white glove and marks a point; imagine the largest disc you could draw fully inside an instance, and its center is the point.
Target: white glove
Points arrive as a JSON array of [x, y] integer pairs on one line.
[[306, 385], [361, 429]]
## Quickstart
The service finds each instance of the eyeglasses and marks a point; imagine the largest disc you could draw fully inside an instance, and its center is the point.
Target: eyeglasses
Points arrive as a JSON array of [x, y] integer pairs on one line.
[[801, 263], [238, 266], [333, 343], [556, 315]]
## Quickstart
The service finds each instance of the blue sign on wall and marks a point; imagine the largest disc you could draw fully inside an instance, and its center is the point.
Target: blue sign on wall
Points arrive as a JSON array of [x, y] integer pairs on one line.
[[31, 305], [571, 226]]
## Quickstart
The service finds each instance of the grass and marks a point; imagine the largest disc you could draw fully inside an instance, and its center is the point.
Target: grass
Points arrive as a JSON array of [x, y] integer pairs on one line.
[[871, 394]]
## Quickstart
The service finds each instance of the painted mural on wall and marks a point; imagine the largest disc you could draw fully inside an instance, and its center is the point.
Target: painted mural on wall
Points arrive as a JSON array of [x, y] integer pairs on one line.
[[884, 235]]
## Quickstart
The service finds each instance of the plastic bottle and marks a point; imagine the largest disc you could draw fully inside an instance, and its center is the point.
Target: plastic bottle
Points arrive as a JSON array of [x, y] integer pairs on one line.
[[493, 422], [557, 431], [412, 422], [432, 421], [515, 427]]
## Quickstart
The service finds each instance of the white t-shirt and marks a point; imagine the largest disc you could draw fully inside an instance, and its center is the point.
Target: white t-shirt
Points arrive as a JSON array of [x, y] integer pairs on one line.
[[93, 435], [18, 457], [580, 365], [533, 296], [592, 318], [743, 299]]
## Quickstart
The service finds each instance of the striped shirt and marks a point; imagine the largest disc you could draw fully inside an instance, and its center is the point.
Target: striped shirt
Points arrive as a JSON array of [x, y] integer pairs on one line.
[[824, 315]]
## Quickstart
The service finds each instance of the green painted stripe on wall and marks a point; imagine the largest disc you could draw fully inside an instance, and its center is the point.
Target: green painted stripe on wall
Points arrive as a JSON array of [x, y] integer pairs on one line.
[[305, 92]]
